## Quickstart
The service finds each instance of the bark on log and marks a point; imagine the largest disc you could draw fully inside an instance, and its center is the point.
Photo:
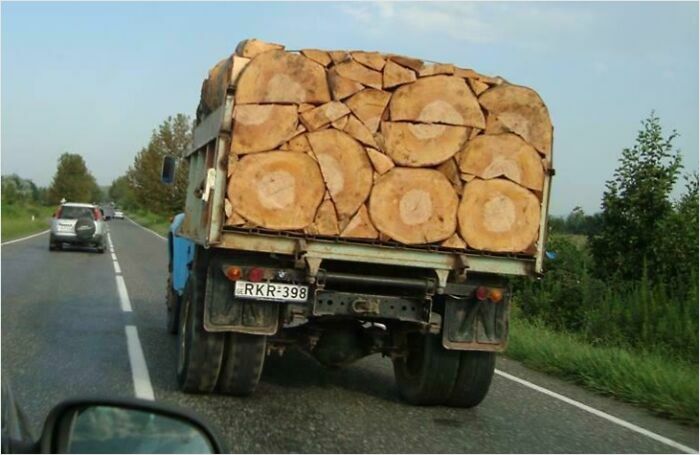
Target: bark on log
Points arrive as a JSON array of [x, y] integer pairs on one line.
[[503, 155], [262, 127], [372, 60], [414, 206], [369, 106], [251, 48], [277, 190], [342, 87], [281, 77], [360, 226], [420, 145], [437, 99], [359, 73], [498, 215], [521, 111], [323, 115], [345, 168], [395, 75]]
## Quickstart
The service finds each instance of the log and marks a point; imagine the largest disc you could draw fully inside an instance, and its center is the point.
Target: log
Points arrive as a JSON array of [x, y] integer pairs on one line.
[[340, 123], [298, 144], [342, 87], [407, 62], [360, 226], [435, 69], [326, 221], [369, 106], [494, 126], [381, 163], [498, 215], [323, 115], [214, 88], [437, 99], [318, 56], [281, 77], [395, 75], [477, 86], [454, 242], [277, 190], [251, 48], [345, 168], [414, 206], [339, 56], [471, 74], [521, 111], [262, 127], [419, 145], [359, 73], [503, 155], [372, 60], [450, 169], [359, 131]]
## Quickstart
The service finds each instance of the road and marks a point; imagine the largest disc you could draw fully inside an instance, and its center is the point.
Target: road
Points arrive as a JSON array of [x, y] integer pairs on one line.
[[64, 334]]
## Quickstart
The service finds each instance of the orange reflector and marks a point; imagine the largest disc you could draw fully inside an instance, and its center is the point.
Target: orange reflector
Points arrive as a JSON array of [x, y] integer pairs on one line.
[[496, 295], [481, 293], [232, 273]]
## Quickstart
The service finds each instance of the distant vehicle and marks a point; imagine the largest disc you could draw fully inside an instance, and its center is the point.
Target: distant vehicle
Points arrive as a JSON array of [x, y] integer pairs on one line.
[[118, 214], [108, 212], [78, 224]]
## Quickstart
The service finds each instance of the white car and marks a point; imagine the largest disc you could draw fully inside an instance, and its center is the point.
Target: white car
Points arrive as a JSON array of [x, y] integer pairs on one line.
[[118, 214], [78, 224]]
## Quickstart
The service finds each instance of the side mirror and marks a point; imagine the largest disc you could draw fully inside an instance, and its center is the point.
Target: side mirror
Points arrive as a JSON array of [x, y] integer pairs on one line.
[[124, 426], [167, 172]]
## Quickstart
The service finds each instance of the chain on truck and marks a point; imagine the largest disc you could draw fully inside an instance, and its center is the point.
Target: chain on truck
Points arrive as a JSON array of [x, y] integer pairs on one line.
[[236, 295]]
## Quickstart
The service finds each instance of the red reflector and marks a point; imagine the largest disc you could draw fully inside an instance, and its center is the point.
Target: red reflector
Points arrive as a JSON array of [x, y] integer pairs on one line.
[[232, 273], [481, 293], [256, 274]]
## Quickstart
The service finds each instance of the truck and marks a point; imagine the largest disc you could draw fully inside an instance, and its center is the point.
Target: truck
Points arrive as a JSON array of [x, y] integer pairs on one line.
[[237, 294]]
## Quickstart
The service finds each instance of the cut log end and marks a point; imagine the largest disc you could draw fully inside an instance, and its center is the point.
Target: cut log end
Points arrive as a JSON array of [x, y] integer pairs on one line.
[[420, 145]]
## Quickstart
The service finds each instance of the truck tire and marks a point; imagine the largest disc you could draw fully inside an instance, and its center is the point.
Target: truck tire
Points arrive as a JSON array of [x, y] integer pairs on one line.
[[426, 375], [199, 352], [473, 379], [244, 356], [172, 306]]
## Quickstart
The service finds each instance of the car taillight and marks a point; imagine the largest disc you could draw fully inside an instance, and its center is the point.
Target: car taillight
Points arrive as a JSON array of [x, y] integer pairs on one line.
[[256, 274], [496, 295], [481, 293], [232, 273]]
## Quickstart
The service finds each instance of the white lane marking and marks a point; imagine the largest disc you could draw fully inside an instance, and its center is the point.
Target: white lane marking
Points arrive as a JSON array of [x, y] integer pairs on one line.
[[139, 370], [9, 242], [145, 228], [114, 256], [601, 414], [123, 294], [117, 269]]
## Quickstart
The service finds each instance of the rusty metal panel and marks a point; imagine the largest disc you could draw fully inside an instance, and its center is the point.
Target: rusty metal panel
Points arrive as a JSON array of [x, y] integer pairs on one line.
[[542, 240], [194, 206]]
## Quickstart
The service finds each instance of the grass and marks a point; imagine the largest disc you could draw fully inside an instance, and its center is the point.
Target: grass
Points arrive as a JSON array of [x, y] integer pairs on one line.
[[158, 223], [665, 386], [17, 220]]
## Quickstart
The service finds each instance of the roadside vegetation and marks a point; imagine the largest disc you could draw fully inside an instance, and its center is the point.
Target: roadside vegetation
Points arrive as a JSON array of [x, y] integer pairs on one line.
[[617, 310]]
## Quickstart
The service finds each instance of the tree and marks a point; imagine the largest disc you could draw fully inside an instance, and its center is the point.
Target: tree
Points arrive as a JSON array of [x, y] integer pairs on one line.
[[636, 206], [172, 137], [120, 192], [73, 181]]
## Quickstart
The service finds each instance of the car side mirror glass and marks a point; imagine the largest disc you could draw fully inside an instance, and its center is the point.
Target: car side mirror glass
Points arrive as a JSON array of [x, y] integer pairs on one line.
[[167, 173], [125, 428]]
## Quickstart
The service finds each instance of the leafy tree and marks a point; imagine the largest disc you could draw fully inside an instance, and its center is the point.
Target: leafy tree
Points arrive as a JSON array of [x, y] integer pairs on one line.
[[172, 137], [120, 192], [636, 206], [73, 181], [16, 189]]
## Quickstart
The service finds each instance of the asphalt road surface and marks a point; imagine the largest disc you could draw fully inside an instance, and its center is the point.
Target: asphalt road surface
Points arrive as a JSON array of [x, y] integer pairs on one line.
[[75, 322]]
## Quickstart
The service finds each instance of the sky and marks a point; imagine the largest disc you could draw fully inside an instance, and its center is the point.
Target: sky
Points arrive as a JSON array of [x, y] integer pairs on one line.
[[97, 78]]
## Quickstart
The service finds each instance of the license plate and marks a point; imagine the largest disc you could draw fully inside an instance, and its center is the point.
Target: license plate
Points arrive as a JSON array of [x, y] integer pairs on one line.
[[277, 292]]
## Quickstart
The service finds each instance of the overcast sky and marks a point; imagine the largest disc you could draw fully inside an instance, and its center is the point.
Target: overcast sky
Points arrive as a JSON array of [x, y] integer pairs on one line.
[[95, 79]]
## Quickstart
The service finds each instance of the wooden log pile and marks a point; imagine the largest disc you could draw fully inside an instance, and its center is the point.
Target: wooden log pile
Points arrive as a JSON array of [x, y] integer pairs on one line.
[[382, 147]]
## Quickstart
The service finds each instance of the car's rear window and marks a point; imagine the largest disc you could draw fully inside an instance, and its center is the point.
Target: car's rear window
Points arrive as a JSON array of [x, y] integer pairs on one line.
[[73, 213]]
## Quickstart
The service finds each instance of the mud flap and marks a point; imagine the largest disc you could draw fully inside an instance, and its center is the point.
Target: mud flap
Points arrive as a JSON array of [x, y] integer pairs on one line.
[[473, 325], [225, 313]]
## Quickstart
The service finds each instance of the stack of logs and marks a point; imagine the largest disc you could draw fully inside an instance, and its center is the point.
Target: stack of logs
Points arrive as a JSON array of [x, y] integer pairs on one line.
[[363, 145]]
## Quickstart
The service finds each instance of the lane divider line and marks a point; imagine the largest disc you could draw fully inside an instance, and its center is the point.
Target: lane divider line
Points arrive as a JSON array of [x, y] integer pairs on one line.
[[9, 242], [139, 370], [145, 228], [117, 269], [123, 294], [601, 414], [114, 256]]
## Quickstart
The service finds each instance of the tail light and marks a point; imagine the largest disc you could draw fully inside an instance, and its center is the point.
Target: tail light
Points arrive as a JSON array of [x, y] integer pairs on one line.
[[232, 273], [256, 274], [481, 293], [496, 295], [493, 294]]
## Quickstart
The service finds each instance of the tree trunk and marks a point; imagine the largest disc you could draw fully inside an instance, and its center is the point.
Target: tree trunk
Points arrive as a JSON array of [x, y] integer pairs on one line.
[[277, 190], [414, 206], [395, 75], [503, 155], [369, 105], [251, 48], [360, 226], [359, 73], [323, 115], [420, 145], [326, 221], [342, 87], [372, 60], [498, 215], [262, 127]]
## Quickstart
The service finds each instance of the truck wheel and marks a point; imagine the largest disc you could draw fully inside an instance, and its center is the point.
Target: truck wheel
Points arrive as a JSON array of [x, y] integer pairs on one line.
[[244, 356], [426, 375], [474, 378], [172, 305], [199, 351]]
